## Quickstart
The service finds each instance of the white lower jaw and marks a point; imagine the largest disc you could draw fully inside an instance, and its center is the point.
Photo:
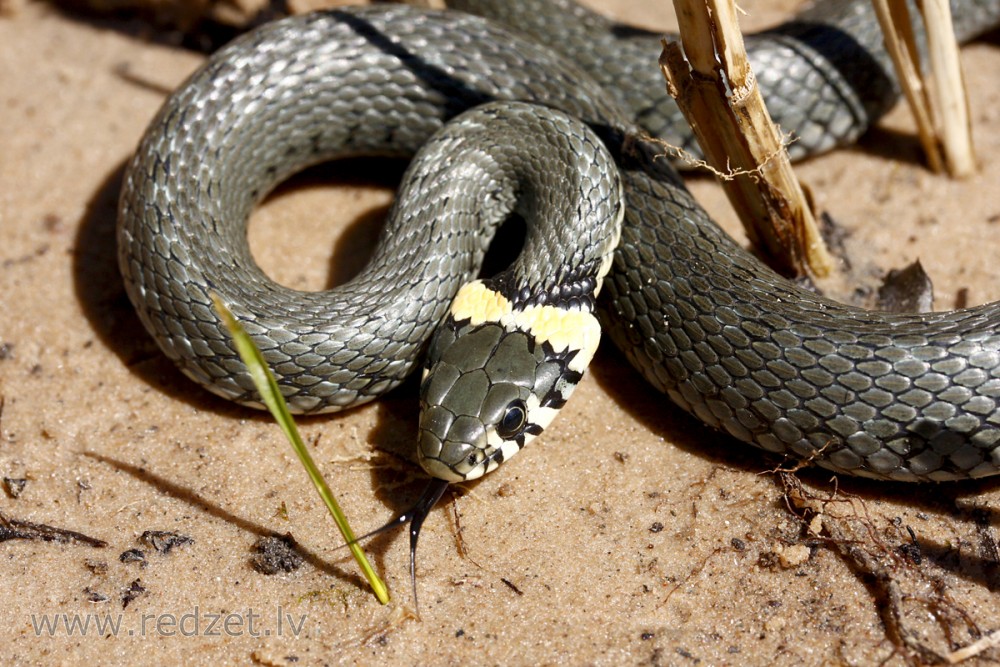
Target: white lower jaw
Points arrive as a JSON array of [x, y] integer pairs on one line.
[[436, 468]]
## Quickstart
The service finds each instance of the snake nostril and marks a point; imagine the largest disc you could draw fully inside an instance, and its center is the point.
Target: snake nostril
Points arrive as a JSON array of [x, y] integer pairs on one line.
[[456, 454]]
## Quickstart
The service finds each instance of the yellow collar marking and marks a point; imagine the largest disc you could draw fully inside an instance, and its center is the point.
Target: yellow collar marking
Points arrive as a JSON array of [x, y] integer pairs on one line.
[[478, 303], [562, 329]]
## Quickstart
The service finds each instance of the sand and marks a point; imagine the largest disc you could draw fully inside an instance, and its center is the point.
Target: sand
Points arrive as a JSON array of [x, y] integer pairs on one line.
[[628, 534]]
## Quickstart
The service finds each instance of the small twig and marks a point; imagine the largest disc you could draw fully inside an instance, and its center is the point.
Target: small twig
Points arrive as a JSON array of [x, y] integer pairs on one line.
[[16, 529]]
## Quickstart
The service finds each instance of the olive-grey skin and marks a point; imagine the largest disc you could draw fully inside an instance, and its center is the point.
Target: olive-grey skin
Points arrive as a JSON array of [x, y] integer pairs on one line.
[[906, 397]]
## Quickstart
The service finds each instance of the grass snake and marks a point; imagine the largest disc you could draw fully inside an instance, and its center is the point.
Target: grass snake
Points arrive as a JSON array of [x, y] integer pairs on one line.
[[903, 397]]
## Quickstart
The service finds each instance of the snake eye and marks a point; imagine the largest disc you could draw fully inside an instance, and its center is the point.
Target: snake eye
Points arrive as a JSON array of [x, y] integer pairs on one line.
[[514, 420]]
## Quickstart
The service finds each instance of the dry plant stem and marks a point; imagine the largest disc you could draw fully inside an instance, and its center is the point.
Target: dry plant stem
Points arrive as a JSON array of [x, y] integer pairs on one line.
[[717, 91], [939, 106], [897, 30], [948, 86]]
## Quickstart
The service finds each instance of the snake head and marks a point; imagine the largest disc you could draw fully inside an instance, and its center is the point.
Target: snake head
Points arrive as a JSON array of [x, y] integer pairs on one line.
[[495, 377]]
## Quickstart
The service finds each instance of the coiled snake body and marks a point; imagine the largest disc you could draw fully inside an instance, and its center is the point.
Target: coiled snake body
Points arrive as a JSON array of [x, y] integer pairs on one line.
[[905, 397]]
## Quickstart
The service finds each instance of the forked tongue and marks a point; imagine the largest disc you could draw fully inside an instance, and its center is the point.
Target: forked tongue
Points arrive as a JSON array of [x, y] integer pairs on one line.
[[415, 517]]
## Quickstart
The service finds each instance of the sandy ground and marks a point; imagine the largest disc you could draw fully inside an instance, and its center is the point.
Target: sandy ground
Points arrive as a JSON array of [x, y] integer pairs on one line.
[[629, 534]]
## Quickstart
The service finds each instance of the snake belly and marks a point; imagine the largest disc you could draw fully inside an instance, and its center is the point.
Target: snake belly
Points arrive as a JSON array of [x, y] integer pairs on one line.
[[906, 397]]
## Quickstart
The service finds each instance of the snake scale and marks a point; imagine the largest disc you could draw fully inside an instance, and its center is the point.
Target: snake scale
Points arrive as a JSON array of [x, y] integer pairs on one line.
[[902, 397]]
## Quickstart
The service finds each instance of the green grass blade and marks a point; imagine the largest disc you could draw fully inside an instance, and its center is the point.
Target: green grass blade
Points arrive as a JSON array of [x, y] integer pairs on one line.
[[267, 387]]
